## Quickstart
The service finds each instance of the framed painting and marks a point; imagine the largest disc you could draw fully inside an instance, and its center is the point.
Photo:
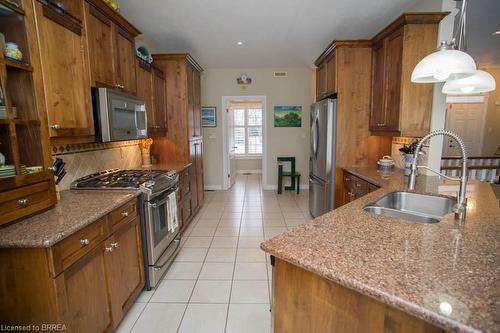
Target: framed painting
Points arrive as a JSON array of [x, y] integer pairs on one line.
[[287, 116], [209, 116]]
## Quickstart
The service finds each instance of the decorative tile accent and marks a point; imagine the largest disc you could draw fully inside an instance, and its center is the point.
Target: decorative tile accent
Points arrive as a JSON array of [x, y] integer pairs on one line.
[[82, 160], [75, 148]]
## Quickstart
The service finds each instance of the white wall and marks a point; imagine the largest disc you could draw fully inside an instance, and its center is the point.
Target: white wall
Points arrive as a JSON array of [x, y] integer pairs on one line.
[[438, 117], [292, 90]]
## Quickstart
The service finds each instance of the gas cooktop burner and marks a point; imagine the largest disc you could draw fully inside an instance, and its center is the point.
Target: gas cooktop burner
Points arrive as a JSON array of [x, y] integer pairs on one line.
[[148, 181]]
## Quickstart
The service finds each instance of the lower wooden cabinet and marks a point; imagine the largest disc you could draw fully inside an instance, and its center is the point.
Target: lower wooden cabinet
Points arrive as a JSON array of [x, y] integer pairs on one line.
[[185, 198], [355, 187], [124, 267], [87, 281], [82, 292]]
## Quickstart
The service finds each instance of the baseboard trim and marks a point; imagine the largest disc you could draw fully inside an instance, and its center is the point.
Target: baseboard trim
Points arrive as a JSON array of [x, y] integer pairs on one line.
[[275, 187], [257, 171], [213, 187]]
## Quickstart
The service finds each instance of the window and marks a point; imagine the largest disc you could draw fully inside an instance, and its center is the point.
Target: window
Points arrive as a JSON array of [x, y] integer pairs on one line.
[[247, 129]]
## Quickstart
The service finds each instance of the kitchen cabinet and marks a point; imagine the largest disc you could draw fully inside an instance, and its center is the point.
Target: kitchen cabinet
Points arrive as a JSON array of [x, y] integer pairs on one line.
[[326, 76], [145, 90], [349, 63], [152, 87], [355, 187], [160, 106], [24, 134], [111, 47], [65, 74], [183, 142], [85, 300], [184, 198], [398, 106], [124, 267], [306, 302], [87, 281], [196, 172]]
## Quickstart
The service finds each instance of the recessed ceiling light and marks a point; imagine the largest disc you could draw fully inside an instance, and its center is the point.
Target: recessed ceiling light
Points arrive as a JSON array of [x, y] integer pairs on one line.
[[239, 43]]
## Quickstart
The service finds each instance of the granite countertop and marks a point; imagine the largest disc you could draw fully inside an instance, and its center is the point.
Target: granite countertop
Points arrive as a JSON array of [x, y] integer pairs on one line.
[[423, 269], [74, 211]]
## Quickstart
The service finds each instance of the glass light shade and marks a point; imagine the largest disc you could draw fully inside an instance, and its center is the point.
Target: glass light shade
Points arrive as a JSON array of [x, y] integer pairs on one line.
[[442, 65], [480, 82]]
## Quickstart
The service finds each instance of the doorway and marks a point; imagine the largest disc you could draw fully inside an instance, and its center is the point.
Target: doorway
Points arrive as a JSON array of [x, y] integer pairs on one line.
[[465, 115], [244, 137]]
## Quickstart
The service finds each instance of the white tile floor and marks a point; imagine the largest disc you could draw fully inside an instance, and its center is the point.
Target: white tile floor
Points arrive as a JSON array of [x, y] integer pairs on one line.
[[220, 280]]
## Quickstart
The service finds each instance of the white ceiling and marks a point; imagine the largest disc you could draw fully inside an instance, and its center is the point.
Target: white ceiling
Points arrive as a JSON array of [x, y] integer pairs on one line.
[[276, 33]]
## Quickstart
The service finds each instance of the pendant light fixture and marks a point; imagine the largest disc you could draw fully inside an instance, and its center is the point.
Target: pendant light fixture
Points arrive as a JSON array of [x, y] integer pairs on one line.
[[451, 64]]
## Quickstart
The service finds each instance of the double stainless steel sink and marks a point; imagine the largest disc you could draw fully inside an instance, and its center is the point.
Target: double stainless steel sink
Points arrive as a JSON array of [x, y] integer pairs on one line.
[[412, 206]]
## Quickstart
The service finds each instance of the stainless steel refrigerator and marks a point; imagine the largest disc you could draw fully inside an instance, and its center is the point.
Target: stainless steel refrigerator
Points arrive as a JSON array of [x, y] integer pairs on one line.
[[322, 157]]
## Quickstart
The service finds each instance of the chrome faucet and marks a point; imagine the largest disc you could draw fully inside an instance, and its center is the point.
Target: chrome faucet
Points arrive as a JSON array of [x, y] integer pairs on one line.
[[460, 207]]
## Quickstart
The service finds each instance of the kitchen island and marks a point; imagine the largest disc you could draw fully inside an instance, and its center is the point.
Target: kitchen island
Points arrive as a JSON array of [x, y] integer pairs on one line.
[[353, 271]]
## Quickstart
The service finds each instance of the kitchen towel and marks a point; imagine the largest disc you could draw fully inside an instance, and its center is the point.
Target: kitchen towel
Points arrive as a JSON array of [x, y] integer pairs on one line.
[[172, 218]]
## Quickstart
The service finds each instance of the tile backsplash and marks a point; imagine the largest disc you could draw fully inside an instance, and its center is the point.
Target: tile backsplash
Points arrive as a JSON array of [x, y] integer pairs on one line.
[[80, 164]]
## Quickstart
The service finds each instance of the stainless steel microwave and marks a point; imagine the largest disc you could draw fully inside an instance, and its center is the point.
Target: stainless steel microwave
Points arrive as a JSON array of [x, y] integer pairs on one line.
[[118, 116]]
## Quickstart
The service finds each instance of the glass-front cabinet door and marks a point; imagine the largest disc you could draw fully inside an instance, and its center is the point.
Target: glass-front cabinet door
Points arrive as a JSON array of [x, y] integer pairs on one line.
[[26, 182]]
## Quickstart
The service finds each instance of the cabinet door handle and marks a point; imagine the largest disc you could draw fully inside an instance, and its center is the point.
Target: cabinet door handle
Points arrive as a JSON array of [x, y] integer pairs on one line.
[[125, 214], [55, 126], [108, 249], [84, 241], [114, 245], [23, 202]]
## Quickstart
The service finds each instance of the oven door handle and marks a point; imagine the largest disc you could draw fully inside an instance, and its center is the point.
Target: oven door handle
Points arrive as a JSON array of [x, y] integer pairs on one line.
[[159, 203]]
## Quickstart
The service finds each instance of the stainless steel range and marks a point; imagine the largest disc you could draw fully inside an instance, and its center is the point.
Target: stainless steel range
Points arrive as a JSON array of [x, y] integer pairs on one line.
[[161, 236]]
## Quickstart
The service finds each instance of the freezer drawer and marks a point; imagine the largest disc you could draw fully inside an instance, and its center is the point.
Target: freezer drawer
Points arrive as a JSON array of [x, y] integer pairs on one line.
[[320, 197]]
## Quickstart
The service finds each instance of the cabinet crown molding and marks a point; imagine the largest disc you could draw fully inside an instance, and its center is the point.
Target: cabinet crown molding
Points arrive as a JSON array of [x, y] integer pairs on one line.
[[115, 16], [179, 56], [341, 43], [410, 18]]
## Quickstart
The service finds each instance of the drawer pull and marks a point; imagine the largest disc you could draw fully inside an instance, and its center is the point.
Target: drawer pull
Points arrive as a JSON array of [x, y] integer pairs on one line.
[[348, 179], [358, 185], [351, 194], [55, 126], [114, 245], [125, 214], [23, 202], [84, 241], [109, 249]]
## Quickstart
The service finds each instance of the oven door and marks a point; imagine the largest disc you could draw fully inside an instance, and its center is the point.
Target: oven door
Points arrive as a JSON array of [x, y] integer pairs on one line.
[[158, 234]]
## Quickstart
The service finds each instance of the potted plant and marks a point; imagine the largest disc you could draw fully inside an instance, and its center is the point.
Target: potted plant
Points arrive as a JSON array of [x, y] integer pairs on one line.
[[408, 151]]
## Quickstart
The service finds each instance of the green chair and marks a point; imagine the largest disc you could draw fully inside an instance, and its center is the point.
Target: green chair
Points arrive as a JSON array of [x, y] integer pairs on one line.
[[294, 175]]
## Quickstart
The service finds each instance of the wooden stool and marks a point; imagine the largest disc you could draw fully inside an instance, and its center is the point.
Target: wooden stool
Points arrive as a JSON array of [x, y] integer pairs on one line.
[[294, 176]]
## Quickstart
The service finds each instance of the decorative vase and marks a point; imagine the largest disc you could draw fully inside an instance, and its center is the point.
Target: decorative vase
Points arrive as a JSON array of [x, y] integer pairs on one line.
[[145, 145], [12, 51], [408, 158]]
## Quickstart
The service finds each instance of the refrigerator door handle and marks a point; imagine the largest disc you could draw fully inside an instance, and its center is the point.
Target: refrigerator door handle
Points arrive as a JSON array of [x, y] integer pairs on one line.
[[315, 137]]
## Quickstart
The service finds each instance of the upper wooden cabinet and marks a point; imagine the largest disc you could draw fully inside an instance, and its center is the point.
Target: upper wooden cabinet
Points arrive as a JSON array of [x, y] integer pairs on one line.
[[65, 74], [326, 78], [159, 101], [111, 47], [151, 86], [398, 106]]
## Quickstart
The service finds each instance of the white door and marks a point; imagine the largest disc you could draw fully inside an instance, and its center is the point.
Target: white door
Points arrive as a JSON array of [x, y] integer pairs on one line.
[[467, 120], [231, 146]]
